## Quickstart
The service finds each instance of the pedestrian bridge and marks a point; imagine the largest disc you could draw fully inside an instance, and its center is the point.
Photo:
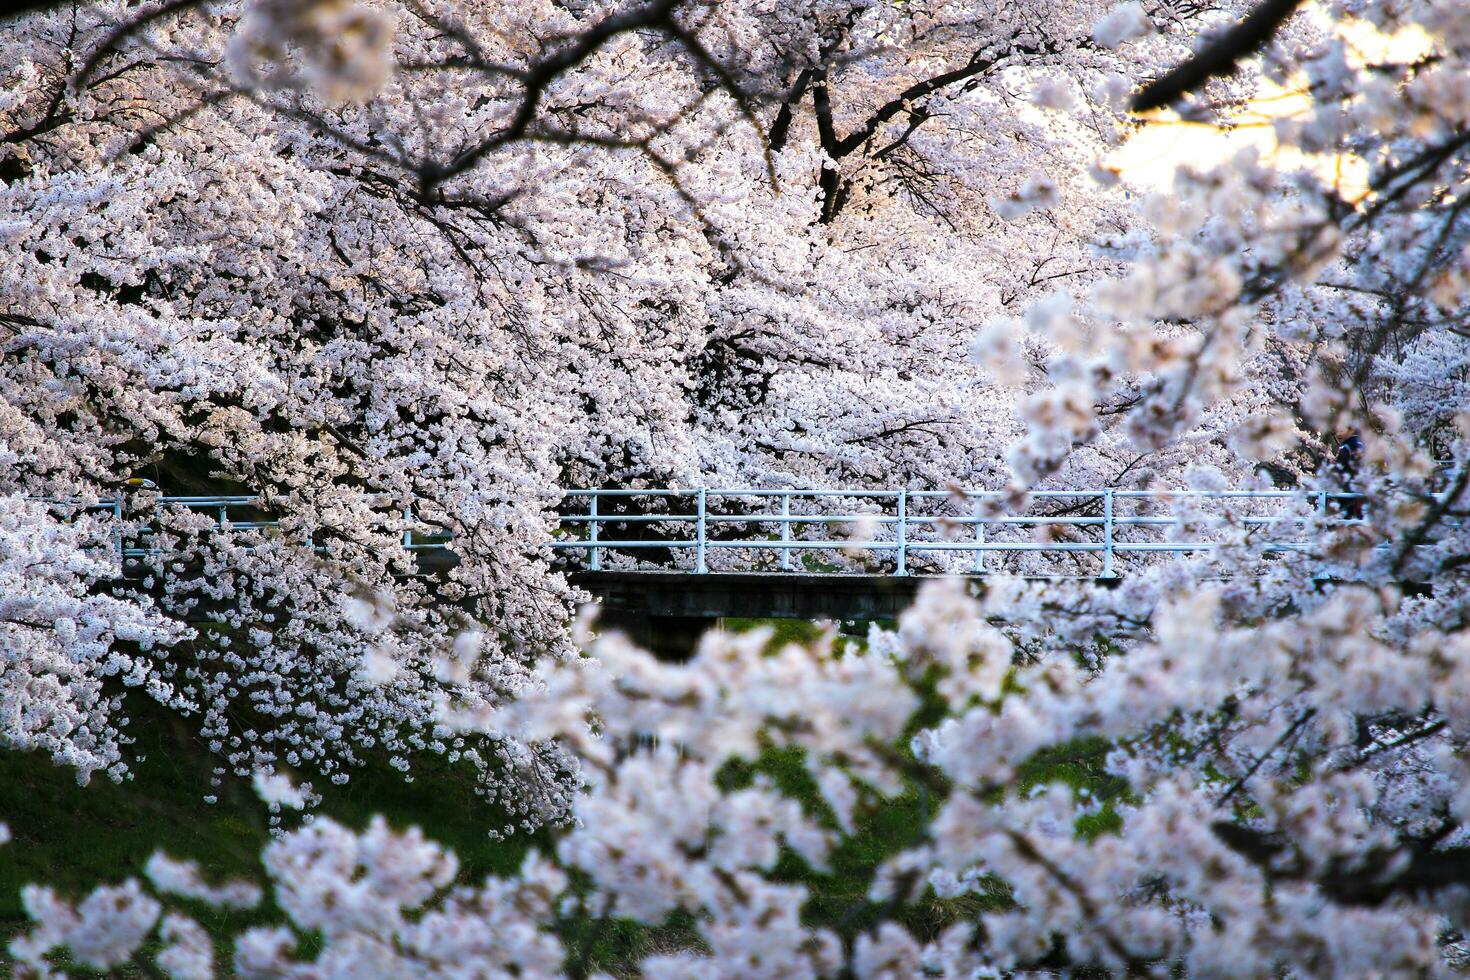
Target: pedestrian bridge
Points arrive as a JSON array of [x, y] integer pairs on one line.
[[667, 561], [1060, 533], [1045, 533]]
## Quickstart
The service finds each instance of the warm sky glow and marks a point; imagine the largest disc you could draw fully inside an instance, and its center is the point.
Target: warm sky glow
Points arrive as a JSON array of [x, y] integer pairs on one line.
[[1165, 142], [1148, 160]]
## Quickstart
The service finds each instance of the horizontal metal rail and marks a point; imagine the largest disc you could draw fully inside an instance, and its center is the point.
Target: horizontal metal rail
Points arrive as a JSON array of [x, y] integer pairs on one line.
[[706, 531], [419, 539], [897, 531]]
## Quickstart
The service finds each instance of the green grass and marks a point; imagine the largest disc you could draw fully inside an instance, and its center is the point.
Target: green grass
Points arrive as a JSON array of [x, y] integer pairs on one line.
[[1079, 764], [74, 838], [783, 631], [798, 631]]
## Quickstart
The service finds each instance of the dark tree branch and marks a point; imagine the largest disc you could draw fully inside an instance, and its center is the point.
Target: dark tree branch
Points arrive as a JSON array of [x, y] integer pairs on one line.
[[904, 101], [781, 127], [539, 76], [1420, 532], [835, 190], [702, 57], [1219, 58], [1383, 874], [1286, 736], [822, 106], [126, 30]]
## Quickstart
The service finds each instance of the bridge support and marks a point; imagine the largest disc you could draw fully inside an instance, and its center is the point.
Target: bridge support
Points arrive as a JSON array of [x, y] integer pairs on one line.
[[666, 612], [755, 594], [666, 637]]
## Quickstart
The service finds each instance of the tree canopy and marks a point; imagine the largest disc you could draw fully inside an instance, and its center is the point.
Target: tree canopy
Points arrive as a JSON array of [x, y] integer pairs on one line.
[[361, 257]]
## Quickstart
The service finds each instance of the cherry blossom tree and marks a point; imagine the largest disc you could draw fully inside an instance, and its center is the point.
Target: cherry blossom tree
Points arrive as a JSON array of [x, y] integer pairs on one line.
[[65, 646], [402, 266], [1277, 735]]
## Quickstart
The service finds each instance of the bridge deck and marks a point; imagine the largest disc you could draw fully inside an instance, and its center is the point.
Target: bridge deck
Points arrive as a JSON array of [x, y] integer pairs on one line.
[[793, 595]]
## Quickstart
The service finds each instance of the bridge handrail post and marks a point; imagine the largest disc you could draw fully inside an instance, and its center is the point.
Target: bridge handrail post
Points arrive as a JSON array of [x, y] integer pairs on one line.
[[593, 525], [903, 536], [699, 566], [1107, 533], [979, 564], [786, 532]]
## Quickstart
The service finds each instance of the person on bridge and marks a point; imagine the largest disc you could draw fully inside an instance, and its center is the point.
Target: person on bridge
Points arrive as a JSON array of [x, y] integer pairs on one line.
[[1345, 469]]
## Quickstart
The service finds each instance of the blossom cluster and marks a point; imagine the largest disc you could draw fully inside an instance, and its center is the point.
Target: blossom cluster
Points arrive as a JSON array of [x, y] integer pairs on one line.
[[1274, 788]]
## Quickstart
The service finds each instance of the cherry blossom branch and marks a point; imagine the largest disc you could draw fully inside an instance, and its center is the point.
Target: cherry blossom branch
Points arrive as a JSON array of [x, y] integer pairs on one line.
[[1219, 57]]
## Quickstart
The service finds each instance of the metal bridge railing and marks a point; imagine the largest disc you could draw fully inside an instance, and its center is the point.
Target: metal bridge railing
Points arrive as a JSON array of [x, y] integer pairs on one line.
[[226, 510], [961, 531], [1104, 517]]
